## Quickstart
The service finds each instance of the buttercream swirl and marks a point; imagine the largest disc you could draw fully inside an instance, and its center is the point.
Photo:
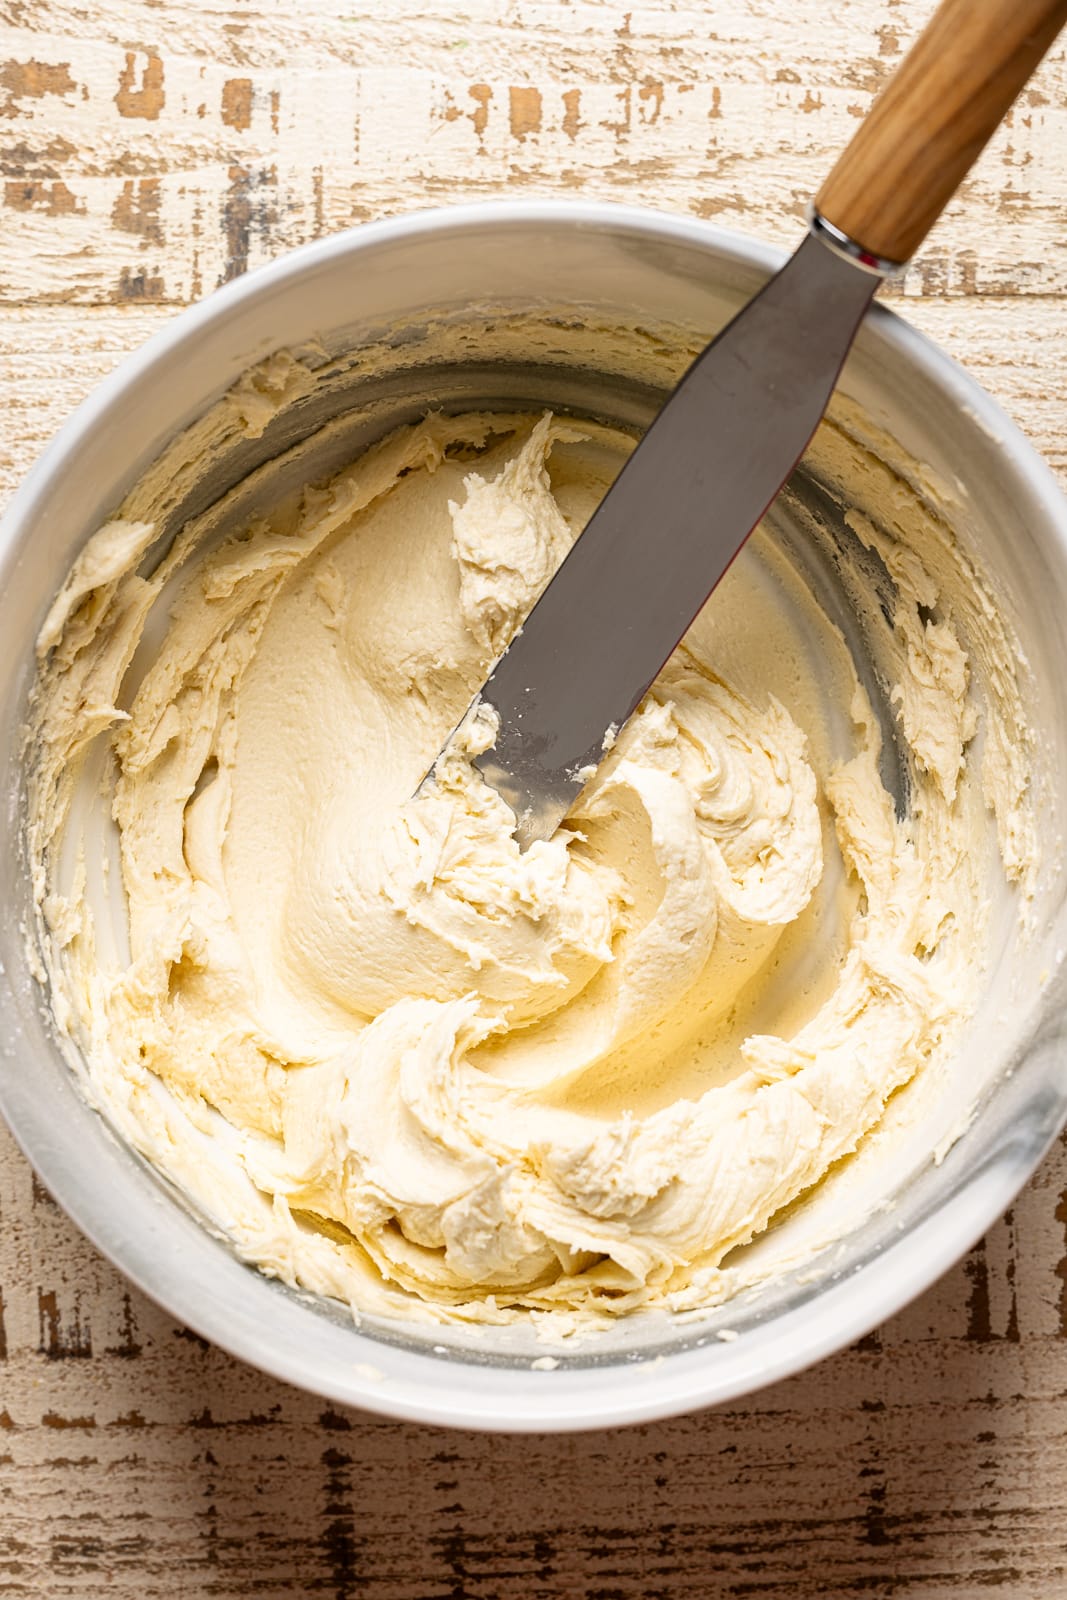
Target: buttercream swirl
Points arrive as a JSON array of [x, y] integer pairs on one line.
[[401, 1060]]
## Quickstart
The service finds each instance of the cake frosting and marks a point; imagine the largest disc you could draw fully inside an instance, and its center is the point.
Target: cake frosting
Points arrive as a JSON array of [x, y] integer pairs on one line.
[[399, 1060]]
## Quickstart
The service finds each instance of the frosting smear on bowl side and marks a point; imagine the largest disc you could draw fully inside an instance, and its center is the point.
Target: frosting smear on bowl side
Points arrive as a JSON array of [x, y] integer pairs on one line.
[[397, 1060]]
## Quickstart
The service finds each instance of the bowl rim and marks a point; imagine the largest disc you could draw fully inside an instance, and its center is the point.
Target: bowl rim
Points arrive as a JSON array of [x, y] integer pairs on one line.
[[415, 1385]]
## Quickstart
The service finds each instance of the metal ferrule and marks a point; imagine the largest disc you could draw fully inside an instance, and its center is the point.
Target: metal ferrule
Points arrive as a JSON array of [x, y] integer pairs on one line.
[[840, 242]]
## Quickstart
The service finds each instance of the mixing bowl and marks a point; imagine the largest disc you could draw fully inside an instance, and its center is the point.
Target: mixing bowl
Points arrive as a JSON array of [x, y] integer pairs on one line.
[[945, 1174]]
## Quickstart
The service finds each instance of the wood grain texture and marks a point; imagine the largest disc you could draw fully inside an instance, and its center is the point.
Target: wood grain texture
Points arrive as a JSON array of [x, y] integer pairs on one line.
[[150, 151], [938, 111]]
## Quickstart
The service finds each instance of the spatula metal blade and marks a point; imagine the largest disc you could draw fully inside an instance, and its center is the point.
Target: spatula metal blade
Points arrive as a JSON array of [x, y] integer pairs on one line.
[[666, 532]]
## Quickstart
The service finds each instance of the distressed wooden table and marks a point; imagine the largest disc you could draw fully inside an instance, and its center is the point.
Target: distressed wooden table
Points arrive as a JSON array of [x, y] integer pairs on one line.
[[149, 152]]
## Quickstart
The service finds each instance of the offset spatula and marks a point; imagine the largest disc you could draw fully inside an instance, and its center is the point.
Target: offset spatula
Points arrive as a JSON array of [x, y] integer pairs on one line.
[[738, 422]]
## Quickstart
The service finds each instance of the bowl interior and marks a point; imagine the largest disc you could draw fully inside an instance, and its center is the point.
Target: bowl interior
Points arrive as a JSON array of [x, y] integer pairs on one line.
[[446, 308]]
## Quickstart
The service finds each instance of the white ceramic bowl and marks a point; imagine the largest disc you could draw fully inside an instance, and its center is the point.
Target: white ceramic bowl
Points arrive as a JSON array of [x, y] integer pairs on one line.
[[622, 267]]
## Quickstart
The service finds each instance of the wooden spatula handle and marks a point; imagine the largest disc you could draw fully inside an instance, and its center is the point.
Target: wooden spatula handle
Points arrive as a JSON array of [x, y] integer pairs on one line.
[[933, 118]]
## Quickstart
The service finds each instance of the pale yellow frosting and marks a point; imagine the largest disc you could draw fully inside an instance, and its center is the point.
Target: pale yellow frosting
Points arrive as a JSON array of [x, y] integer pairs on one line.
[[400, 1061]]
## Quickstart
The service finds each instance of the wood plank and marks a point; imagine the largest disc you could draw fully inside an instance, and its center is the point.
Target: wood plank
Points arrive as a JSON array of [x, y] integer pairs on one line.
[[148, 155]]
